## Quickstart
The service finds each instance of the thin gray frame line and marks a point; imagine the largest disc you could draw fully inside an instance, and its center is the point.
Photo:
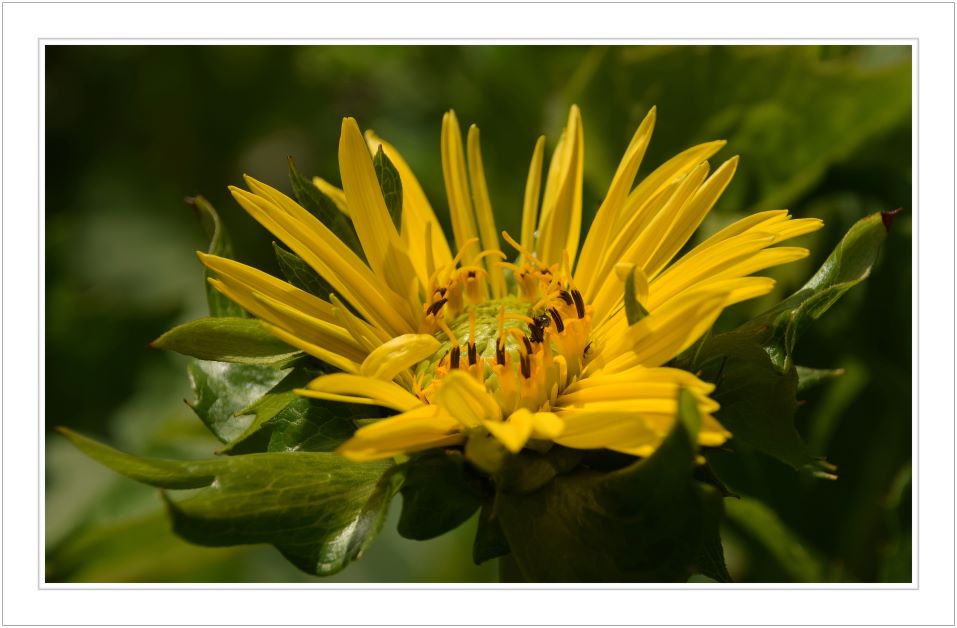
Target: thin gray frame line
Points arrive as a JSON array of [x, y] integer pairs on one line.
[[45, 40], [915, 43]]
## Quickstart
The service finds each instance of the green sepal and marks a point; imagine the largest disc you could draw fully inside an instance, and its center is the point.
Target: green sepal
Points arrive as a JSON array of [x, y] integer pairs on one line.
[[390, 184], [320, 510], [439, 493], [647, 522], [323, 208], [220, 245], [634, 310], [229, 339], [300, 274], [490, 541]]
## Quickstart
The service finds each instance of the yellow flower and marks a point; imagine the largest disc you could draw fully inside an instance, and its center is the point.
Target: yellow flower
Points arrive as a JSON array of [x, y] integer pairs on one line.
[[467, 342]]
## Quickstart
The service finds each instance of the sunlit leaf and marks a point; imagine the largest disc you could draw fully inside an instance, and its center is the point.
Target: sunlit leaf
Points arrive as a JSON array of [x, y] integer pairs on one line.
[[228, 339], [320, 510]]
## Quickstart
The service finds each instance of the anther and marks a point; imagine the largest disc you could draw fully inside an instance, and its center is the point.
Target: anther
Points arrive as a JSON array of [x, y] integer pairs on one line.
[[500, 353], [526, 366], [435, 307], [454, 356], [579, 303], [473, 354], [566, 297], [528, 345], [559, 323]]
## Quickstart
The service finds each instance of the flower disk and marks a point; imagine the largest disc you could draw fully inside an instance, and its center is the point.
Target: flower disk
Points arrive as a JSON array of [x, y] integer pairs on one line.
[[488, 347]]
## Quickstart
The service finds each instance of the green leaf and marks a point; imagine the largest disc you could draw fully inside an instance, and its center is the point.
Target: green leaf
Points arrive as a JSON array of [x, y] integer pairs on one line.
[[634, 310], [219, 244], [322, 207], [755, 377], [759, 524], [710, 559], [647, 522], [849, 264], [438, 495], [284, 421], [809, 378], [222, 390], [228, 339], [490, 541], [320, 510], [300, 274], [391, 185]]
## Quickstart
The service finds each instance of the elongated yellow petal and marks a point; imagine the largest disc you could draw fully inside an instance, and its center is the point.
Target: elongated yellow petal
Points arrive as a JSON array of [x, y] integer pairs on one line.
[[332, 259], [256, 280], [417, 214], [380, 240], [466, 400], [329, 357], [399, 354], [363, 390], [416, 430], [456, 186], [483, 212], [560, 222], [690, 216], [607, 216], [533, 186]]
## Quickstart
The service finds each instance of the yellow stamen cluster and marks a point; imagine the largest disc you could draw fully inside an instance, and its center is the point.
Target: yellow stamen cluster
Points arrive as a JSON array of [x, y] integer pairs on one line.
[[525, 348]]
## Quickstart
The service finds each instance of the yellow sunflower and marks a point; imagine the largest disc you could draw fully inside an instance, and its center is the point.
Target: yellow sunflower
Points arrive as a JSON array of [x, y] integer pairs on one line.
[[473, 343]]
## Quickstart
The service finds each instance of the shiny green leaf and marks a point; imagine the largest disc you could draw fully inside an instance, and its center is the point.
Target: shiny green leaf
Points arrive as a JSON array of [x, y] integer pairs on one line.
[[222, 390], [320, 510], [228, 339]]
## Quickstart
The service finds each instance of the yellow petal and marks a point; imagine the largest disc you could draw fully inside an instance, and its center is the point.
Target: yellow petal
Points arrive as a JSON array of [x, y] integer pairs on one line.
[[416, 430], [363, 390], [384, 249], [533, 186], [607, 215], [456, 186], [466, 400], [560, 222], [417, 213], [514, 431], [483, 212], [399, 354]]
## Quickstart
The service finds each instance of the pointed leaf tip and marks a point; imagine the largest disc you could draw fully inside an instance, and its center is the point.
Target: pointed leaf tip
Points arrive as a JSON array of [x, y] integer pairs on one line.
[[888, 217]]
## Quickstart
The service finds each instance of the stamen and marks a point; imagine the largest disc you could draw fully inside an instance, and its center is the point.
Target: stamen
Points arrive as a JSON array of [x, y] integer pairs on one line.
[[454, 356], [448, 331], [435, 307], [579, 303], [473, 354], [566, 297], [526, 366], [559, 323], [527, 344], [500, 353], [521, 249]]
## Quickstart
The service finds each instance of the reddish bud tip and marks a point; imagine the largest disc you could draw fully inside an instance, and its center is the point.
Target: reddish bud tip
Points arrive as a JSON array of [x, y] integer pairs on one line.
[[888, 217]]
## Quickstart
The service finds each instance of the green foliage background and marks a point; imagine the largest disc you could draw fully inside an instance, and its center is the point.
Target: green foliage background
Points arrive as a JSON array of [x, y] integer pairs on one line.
[[130, 131]]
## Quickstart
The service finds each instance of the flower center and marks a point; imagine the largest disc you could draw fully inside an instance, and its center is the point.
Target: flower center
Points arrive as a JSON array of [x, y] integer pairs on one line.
[[525, 348]]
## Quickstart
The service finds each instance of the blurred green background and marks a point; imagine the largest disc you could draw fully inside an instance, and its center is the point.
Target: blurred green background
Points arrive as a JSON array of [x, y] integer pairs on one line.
[[131, 131]]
